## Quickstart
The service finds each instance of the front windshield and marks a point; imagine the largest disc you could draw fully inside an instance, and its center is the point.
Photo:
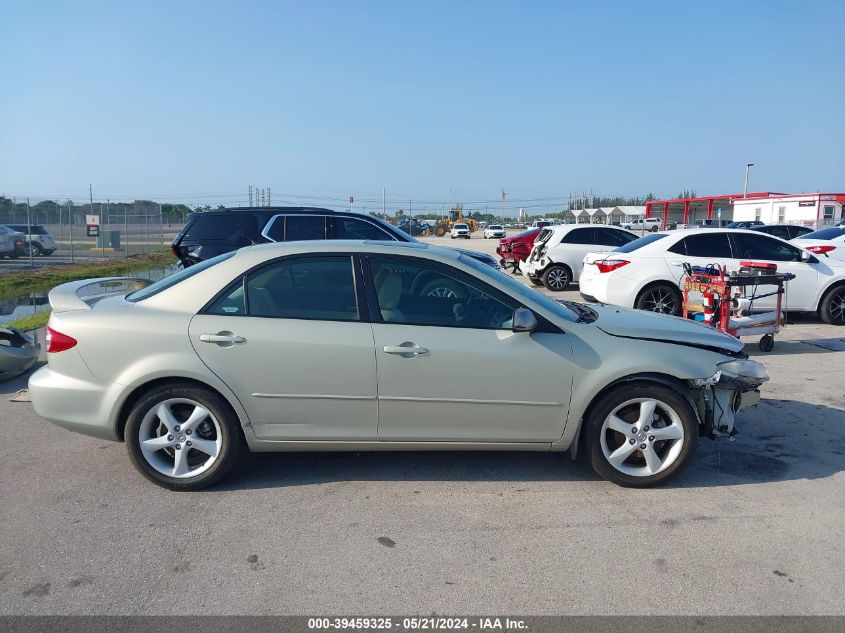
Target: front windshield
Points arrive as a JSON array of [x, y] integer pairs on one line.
[[460, 226], [499, 278]]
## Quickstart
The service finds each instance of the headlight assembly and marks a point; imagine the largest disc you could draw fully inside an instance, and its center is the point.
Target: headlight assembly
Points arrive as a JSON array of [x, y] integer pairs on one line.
[[745, 373]]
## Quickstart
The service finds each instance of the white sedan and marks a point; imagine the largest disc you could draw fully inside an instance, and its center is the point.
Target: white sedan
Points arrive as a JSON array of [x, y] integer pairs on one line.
[[556, 258], [355, 346], [829, 241], [646, 273]]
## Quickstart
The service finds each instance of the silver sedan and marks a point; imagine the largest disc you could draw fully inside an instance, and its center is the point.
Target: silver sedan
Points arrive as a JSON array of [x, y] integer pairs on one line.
[[352, 346]]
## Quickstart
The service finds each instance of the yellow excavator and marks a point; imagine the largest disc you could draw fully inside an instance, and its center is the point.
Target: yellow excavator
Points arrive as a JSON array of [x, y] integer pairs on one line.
[[456, 216]]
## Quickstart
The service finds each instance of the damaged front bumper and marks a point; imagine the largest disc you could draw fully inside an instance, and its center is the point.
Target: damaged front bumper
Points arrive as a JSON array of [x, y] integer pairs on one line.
[[731, 389]]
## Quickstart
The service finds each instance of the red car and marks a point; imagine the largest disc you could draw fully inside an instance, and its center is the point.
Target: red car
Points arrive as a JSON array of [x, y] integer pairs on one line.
[[513, 250]]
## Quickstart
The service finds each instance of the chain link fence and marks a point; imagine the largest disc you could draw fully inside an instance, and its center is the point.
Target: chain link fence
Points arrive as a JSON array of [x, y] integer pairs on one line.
[[124, 229]]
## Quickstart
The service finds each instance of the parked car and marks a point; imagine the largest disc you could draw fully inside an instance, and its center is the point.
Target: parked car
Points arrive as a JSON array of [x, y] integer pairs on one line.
[[18, 352], [206, 235], [12, 243], [541, 224], [646, 273], [709, 224], [643, 224], [187, 371], [460, 230], [513, 250], [783, 231], [414, 227], [743, 224], [558, 253], [494, 230], [829, 241], [42, 242]]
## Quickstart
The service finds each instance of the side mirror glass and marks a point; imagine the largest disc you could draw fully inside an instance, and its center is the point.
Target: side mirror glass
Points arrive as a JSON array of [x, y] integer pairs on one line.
[[805, 256], [524, 320]]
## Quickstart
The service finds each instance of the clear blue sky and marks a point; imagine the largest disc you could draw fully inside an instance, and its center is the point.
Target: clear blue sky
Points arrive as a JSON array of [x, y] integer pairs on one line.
[[184, 99]]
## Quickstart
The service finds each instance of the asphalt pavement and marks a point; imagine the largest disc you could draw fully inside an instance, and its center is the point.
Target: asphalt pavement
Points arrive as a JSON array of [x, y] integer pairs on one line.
[[752, 526]]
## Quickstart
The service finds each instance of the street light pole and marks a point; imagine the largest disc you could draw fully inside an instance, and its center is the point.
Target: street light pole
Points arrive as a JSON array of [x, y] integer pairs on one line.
[[748, 166]]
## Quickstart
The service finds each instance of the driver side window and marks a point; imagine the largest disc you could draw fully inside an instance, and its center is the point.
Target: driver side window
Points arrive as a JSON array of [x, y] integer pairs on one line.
[[413, 292]]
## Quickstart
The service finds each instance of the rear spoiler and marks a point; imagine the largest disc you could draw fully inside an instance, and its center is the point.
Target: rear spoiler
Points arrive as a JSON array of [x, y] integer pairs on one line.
[[81, 295]]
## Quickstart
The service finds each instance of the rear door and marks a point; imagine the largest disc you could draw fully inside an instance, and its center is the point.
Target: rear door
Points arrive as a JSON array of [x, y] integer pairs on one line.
[[290, 340], [700, 249]]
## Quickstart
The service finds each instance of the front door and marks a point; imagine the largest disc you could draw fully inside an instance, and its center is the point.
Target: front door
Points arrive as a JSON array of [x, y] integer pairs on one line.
[[289, 341], [450, 368]]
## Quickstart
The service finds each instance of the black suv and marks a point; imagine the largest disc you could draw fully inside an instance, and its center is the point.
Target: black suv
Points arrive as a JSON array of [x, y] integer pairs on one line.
[[212, 233]]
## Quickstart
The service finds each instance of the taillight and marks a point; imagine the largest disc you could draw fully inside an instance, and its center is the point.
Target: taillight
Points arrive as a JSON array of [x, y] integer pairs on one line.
[[174, 250], [609, 265], [820, 250], [58, 342]]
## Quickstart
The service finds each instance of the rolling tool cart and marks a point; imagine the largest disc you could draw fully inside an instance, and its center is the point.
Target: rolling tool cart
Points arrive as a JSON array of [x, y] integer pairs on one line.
[[727, 299]]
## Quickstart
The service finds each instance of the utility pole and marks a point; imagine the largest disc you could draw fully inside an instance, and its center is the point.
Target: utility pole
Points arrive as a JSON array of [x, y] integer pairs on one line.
[[268, 197], [384, 202], [29, 233], [748, 166], [70, 230], [250, 195]]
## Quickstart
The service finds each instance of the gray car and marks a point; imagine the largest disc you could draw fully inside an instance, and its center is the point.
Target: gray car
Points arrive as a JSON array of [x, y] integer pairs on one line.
[[352, 346], [18, 352]]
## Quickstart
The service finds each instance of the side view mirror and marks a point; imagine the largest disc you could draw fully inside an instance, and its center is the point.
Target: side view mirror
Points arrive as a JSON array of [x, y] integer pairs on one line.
[[523, 320], [805, 256]]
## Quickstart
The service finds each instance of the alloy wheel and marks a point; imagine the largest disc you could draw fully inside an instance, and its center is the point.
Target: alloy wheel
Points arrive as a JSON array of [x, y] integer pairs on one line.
[[558, 279], [660, 300], [180, 438], [837, 307], [443, 292], [642, 437]]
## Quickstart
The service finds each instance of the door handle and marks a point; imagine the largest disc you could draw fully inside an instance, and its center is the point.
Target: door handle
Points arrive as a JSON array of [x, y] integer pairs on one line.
[[222, 338], [406, 350]]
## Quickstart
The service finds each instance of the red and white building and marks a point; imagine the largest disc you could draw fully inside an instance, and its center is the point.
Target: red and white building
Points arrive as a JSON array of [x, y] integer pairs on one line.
[[812, 209], [808, 209]]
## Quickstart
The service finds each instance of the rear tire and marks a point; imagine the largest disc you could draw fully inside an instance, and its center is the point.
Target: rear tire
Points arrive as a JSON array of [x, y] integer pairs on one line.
[[162, 453], [557, 277], [660, 298], [535, 280], [832, 308], [622, 416]]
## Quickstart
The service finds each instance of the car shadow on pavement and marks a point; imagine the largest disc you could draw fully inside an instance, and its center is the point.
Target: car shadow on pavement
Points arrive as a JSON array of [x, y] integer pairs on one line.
[[11, 386], [779, 440]]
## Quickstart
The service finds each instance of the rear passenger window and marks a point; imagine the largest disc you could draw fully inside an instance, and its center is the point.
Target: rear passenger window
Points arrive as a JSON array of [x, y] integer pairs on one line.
[[341, 228], [234, 229], [320, 288], [580, 236], [714, 245], [612, 237], [305, 227]]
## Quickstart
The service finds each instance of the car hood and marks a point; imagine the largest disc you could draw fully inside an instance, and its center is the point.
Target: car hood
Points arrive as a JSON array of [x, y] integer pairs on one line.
[[639, 324]]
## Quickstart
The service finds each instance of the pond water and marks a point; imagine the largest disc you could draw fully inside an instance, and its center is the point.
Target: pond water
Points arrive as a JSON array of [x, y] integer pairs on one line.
[[15, 307]]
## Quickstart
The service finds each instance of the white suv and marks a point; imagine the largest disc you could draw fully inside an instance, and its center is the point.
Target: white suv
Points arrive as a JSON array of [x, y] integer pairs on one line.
[[558, 253], [42, 242], [643, 224], [494, 230], [459, 230]]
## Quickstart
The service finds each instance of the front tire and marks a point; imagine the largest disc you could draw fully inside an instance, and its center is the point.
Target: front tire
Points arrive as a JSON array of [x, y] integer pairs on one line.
[[183, 437], [832, 308], [640, 434], [556, 277]]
